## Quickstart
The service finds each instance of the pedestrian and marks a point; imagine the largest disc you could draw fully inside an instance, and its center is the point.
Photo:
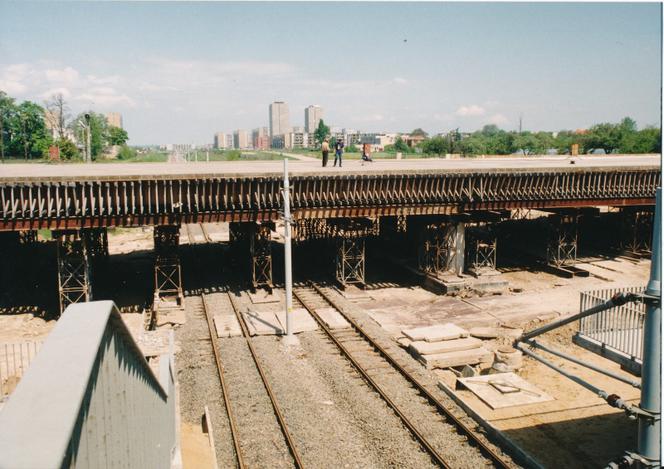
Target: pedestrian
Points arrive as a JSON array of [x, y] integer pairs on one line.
[[325, 147], [366, 153], [338, 152]]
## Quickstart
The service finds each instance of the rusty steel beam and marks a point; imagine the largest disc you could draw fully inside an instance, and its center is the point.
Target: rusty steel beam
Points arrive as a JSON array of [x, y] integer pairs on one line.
[[70, 204]]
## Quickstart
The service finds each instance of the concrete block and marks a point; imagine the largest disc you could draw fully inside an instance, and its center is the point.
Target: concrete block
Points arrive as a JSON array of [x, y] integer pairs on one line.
[[458, 358], [436, 333], [262, 323], [302, 321], [332, 318], [429, 348], [227, 325]]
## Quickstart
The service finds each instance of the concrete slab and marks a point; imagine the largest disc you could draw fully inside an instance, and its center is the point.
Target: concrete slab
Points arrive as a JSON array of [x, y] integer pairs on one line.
[[430, 348], [262, 323], [332, 318], [504, 390], [302, 321], [436, 333], [263, 296], [458, 358], [227, 325], [351, 292], [170, 316]]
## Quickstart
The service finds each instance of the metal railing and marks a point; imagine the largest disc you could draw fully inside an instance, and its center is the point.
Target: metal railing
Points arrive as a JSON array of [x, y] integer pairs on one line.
[[90, 399], [620, 328], [14, 361]]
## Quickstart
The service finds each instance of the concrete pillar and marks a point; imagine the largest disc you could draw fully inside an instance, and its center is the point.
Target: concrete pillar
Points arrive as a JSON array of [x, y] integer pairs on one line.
[[167, 271], [74, 270], [441, 248]]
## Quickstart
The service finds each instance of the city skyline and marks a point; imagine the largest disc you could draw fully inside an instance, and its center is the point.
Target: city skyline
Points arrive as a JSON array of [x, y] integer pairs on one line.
[[434, 66]]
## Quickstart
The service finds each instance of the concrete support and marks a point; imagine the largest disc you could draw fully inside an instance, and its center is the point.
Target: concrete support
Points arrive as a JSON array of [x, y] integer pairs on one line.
[[563, 240], [74, 271], [481, 249], [167, 271], [350, 260], [441, 248], [260, 249]]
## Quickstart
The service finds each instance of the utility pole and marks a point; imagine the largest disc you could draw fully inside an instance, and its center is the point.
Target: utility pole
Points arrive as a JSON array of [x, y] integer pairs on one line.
[[520, 123], [290, 338]]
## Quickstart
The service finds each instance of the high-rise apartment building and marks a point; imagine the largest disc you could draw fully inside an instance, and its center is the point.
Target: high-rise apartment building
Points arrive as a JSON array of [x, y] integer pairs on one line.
[[279, 118], [223, 141], [312, 116], [241, 139], [260, 138], [114, 119]]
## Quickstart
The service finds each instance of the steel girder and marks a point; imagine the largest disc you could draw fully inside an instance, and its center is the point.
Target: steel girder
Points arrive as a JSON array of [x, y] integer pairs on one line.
[[31, 204]]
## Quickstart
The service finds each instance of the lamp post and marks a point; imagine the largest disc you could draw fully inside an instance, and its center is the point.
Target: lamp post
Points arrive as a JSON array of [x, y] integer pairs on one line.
[[86, 128]]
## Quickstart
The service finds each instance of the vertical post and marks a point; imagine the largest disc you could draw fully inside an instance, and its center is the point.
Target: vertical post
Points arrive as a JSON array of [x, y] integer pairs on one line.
[[649, 430], [88, 144], [287, 254]]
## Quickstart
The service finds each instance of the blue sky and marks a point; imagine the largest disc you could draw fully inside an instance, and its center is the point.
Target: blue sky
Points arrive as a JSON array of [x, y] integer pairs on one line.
[[178, 72]]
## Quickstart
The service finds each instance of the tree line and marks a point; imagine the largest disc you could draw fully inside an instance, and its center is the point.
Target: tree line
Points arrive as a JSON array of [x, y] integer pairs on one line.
[[28, 130], [623, 137]]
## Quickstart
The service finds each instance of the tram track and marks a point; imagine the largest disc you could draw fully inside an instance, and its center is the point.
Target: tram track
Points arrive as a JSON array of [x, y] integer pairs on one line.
[[448, 440]]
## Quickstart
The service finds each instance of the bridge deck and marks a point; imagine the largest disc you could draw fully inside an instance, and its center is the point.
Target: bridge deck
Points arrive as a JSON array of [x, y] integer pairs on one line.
[[133, 171]]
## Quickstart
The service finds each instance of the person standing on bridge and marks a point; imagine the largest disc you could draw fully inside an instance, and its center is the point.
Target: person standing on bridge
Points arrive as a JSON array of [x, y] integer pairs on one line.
[[325, 148], [338, 151]]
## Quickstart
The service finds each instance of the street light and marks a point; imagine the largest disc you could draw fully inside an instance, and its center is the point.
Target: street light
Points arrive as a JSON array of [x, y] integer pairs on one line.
[[86, 127]]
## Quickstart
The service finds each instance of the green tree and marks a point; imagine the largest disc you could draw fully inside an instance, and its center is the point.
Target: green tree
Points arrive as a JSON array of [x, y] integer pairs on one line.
[[437, 145], [68, 150], [401, 146], [321, 132], [30, 137], [117, 136], [98, 131], [7, 111], [126, 152]]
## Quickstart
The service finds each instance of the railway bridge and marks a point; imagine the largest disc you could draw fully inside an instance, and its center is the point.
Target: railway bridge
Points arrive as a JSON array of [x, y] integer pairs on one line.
[[447, 208]]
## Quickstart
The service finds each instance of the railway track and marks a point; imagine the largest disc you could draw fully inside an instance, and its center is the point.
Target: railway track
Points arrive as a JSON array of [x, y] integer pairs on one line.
[[235, 430], [442, 434]]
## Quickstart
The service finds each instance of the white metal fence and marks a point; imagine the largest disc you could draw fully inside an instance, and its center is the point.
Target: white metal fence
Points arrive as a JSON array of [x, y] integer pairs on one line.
[[14, 360], [620, 328]]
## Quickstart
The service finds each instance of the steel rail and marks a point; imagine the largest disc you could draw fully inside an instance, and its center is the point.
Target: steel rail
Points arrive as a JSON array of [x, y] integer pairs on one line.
[[437, 457], [220, 370], [268, 388], [483, 447]]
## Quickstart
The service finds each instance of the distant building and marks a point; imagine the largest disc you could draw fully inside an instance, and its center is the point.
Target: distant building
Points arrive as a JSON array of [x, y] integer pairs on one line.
[[114, 119], [241, 139], [223, 140], [279, 118], [278, 142], [260, 138], [312, 116], [297, 140]]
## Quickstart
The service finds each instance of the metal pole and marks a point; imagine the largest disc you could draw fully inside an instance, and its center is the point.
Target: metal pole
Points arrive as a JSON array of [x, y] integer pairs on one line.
[[649, 429], [287, 255]]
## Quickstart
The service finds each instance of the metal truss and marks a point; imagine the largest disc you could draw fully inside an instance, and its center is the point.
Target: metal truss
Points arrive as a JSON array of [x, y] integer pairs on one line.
[[73, 268], [27, 236], [638, 229], [322, 228], [563, 240], [71, 203], [260, 249], [438, 248], [482, 247], [167, 271], [350, 261]]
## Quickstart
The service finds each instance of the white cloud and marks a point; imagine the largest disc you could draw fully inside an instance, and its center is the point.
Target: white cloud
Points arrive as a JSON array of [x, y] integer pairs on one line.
[[67, 76], [12, 87], [471, 110], [400, 81], [498, 119]]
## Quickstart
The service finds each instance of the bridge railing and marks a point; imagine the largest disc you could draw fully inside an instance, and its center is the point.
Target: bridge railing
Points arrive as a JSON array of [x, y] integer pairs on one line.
[[619, 329], [90, 399]]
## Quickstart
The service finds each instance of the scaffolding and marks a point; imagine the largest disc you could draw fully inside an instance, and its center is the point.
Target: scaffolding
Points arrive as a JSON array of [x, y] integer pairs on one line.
[[167, 271], [563, 240], [260, 248], [73, 268]]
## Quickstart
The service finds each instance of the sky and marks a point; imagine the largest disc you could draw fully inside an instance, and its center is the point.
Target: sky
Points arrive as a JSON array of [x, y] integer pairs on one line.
[[180, 71]]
